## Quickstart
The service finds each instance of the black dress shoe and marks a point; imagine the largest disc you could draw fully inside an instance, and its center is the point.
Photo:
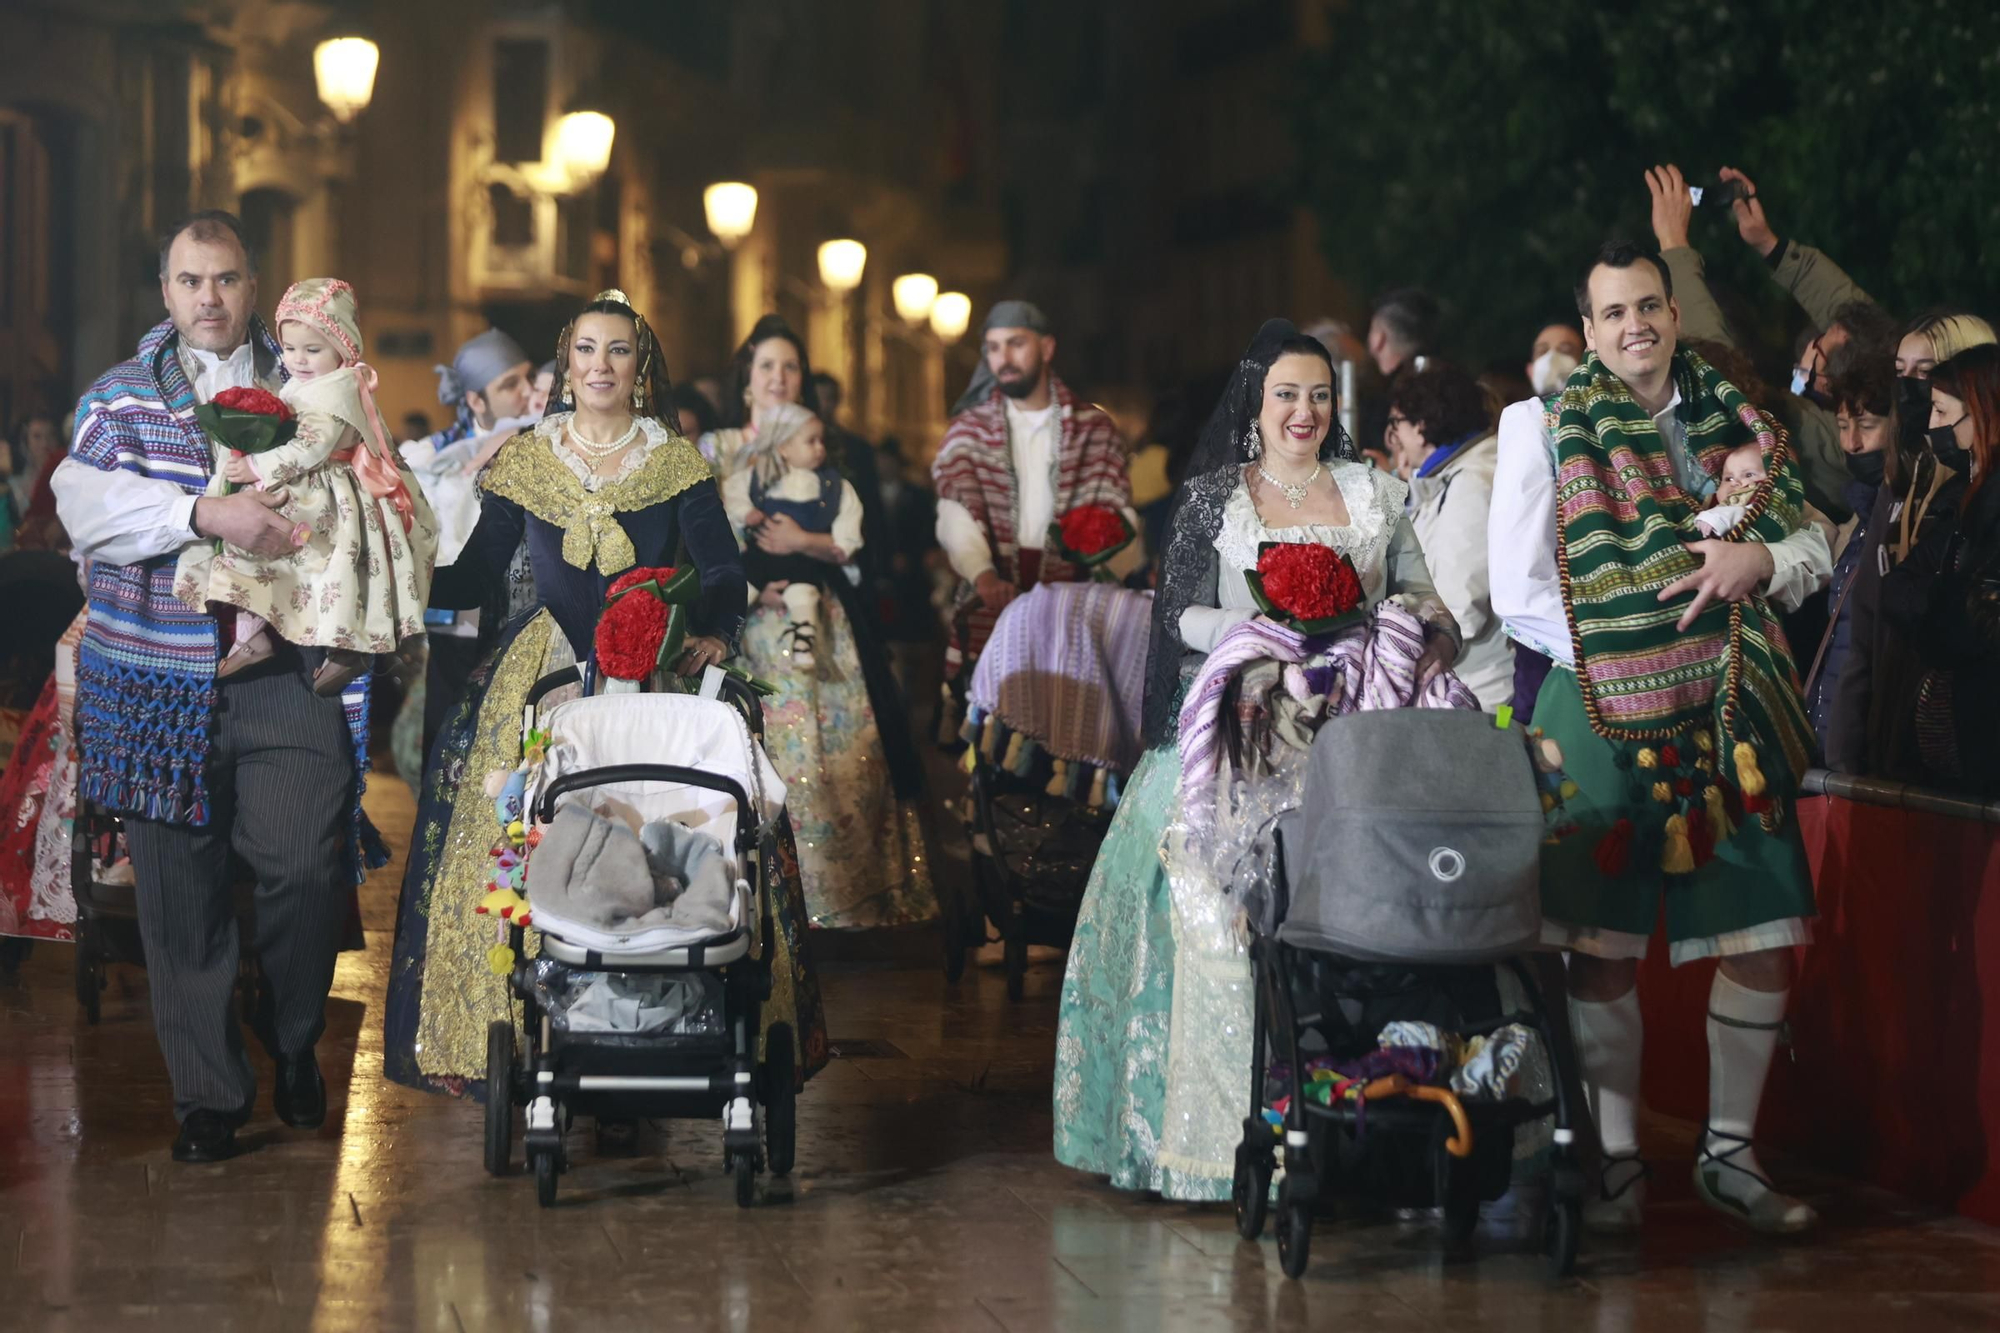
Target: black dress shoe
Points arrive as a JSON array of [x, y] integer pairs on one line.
[[205, 1137], [300, 1095]]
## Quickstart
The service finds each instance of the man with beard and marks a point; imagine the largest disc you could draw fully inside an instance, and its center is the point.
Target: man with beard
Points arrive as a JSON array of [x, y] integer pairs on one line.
[[1021, 451], [1672, 714]]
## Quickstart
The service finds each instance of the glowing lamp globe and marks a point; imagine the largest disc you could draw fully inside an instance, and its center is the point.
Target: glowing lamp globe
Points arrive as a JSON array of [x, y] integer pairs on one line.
[[583, 145], [841, 264], [344, 70], [731, 207], [951, 315], [914, 294]]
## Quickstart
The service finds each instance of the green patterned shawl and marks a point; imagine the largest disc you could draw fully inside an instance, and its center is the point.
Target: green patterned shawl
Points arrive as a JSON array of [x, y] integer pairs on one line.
[[1621, 520]]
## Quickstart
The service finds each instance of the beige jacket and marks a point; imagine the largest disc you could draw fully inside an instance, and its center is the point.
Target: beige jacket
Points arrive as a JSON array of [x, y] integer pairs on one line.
[[1448, 509]]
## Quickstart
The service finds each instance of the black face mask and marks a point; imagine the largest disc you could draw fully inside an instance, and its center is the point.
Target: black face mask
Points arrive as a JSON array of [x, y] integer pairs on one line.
[[1913, 409], [1867, 468], [1944, 443]]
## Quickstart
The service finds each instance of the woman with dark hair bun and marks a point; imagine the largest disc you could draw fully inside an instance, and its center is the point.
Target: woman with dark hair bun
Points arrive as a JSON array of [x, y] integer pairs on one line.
[[602, 484]]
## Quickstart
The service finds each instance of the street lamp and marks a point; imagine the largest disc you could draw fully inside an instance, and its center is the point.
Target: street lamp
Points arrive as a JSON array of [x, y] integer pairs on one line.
[[731, 207], [583, 145], [840, 265], [914, 294], [951, 315], [344, 70]]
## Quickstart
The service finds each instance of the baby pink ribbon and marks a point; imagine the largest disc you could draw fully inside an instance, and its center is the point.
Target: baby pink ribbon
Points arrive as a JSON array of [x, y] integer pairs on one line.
[[372, 461]]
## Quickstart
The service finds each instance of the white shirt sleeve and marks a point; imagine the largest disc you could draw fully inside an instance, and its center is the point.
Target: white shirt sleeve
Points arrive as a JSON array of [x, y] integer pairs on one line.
[[1202, 627], [121, 517], [1801, 565], [963, 540], [846, 532], [1521, 533]]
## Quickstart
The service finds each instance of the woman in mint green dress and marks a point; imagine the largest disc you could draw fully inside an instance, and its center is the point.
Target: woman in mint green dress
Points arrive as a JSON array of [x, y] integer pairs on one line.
[[1121, 1024]]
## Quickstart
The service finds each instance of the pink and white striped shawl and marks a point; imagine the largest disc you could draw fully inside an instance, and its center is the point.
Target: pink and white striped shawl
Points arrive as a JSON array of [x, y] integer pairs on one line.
[[1066, 666], [1368, 666]]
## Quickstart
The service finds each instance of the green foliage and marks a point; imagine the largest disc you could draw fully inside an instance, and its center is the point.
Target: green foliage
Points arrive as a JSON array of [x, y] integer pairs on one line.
[[1485, 150]]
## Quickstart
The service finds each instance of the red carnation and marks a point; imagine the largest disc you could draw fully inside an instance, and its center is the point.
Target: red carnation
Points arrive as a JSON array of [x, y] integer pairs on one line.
[[632, 578], [629, 635], [1093, 529], [259, 401], [1307, 581]]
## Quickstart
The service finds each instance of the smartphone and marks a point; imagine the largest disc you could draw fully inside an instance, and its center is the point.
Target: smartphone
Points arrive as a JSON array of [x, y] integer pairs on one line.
[[1723, 193]]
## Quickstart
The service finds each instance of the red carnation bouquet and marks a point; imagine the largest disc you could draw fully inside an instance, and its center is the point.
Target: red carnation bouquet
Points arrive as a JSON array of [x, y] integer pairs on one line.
[[1312, 588], [1089, 535], [643, 626], [249, 421]]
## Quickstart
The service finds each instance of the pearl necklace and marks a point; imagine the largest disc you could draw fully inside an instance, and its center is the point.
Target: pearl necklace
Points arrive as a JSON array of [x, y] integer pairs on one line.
[[599, 450], [1294, 495]]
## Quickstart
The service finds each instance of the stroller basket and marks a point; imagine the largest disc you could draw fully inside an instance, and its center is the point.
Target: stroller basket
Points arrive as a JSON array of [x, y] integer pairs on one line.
[[1418, 840]]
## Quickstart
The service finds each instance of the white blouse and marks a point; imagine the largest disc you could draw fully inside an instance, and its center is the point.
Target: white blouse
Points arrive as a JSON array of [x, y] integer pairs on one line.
[[1374, 503]]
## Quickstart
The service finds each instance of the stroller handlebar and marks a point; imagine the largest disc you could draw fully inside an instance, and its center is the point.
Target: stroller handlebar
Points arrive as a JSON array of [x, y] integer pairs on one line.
[[734, 691], [746, 824]]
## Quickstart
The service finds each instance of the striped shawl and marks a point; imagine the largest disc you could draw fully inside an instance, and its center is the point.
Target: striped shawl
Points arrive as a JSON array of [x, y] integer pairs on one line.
[[146, 690], [1622, 523], [975, 467]]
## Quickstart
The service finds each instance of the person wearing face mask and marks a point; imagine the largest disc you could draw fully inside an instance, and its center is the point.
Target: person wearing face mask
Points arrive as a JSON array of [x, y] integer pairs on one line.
[[1851, 325], [1558, 350], [1864, 404], [1945, 597]]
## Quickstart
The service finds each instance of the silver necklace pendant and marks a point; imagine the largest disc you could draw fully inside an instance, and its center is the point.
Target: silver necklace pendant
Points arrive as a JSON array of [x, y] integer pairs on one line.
[[1295, 496]]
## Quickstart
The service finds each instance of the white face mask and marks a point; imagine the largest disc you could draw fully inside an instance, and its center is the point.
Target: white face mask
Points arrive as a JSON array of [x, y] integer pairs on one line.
[[1551, 371]]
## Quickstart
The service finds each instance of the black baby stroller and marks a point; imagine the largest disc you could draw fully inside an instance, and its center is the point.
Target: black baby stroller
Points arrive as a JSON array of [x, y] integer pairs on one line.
[[1062, 675], [1394, 896], [659, 1016]]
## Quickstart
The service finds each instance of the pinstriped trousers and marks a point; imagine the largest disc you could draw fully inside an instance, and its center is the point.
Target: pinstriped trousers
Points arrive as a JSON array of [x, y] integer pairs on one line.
[[280, 786]]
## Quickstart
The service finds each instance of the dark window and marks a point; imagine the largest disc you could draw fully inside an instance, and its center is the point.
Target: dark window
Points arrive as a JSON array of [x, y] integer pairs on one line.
[[513, 217], [520, 99]]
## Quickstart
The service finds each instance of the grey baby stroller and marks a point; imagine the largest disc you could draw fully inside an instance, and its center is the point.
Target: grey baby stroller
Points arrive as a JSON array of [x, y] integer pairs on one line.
[[652, 1010], [1395, 1024]]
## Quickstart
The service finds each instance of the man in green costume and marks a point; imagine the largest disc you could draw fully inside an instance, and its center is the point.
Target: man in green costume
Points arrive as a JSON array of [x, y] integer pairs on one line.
[[1672, 729]]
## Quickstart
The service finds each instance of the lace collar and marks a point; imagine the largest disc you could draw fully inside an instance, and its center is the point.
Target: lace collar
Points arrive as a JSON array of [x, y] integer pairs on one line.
[[652, 435], [1374, 502]]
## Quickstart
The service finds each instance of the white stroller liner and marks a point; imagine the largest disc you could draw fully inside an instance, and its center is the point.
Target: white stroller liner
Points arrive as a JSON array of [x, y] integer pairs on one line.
[[605, 731]]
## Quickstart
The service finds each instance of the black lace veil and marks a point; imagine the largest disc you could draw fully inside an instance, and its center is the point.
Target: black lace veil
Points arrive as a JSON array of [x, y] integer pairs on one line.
[[1188, 571]]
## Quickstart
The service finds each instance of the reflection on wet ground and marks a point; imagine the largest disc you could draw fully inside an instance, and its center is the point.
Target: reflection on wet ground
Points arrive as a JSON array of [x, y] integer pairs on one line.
[[925, 1198]]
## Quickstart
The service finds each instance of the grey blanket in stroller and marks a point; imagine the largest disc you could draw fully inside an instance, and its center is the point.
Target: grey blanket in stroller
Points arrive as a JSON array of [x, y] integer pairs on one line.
[[597, 872]]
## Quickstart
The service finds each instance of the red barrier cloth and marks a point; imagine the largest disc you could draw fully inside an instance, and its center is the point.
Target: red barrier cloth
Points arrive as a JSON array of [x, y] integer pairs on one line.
[[1896, 1018]]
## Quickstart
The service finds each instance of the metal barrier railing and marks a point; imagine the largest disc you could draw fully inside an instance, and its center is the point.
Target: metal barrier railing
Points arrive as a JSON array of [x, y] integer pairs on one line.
[[1899, 795]]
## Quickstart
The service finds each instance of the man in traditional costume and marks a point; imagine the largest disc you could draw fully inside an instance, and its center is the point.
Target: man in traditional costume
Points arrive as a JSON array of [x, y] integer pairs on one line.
[[1021, 451], [257, 763], [1671, 730], [488, 384]]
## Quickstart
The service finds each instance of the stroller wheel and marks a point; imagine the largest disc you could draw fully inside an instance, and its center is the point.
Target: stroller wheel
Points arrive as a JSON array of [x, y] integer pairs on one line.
[[545, 1179], [781, 1104], [1295, 1229], [1458, 1195], [745, 1167], [1564, 1227], [1252, 1192], [499, 1098]]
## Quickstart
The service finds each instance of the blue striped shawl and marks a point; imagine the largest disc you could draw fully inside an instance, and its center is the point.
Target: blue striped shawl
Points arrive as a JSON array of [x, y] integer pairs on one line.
[[146, 689]]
